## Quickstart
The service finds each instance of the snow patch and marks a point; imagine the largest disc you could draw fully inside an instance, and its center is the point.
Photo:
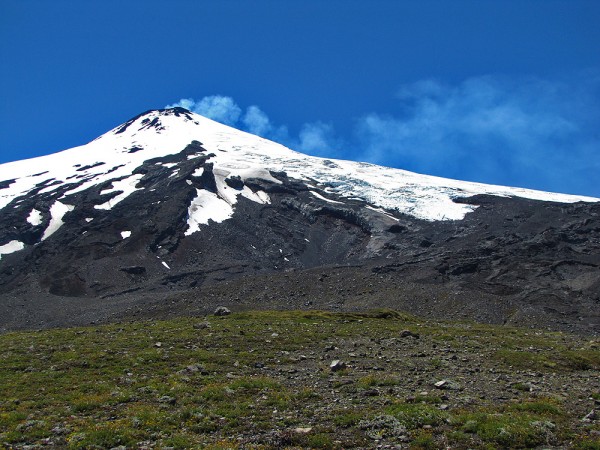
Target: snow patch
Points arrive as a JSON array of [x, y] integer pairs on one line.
[[50, 188], [257, 172], [126, 186], [381, 211], [57, 212], [257, 197], [35, 217], [230, 195], [264, 197], [125, 234], [319, 196], [11, 247], [165, 264], [206, 206]]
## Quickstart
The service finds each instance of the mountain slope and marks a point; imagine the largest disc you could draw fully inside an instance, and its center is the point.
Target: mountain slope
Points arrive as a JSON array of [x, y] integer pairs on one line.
[[171, 204]]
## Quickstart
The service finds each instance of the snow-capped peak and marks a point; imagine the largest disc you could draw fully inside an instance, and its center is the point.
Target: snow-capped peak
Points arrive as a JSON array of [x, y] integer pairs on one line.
[[112, 158]]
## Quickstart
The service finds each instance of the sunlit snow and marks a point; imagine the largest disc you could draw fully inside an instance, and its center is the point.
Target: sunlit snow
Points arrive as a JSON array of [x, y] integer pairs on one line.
[[57, 212], [319, 196], [238, 154], [206, 206], [127, 186], [35, 217]]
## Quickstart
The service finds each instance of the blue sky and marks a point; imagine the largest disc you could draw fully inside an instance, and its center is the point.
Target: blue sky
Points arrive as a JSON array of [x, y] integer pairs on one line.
[[504, 92]]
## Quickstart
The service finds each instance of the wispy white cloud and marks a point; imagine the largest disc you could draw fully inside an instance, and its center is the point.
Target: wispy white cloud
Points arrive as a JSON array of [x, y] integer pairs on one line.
[[217, 107], [316, 138], [526, 132], [256, 121]]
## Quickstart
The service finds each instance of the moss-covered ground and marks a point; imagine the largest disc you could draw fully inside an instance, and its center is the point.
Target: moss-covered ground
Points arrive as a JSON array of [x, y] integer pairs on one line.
[[263, 380]]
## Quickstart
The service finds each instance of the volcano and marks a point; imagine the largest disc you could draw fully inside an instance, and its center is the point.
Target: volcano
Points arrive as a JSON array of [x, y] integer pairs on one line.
[[172, 213]]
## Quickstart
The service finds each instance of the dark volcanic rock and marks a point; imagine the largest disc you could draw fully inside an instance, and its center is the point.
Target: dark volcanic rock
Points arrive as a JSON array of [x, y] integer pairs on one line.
[[511, 260], [6, 183], [234, 182], [134, 270], [488, 267]]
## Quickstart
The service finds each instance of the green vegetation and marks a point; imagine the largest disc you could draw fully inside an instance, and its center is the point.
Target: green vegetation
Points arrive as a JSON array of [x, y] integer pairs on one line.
[[263, 380]]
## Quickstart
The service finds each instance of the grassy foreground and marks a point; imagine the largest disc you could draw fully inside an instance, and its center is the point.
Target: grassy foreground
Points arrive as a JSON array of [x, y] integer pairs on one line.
[[264, 380]]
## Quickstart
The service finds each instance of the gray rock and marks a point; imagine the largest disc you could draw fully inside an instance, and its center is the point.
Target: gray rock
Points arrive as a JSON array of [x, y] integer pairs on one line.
[[447, 385], [592, 416], [543, 425], [167, 400], [371, 393], [30, 424], [527, 386], [61, 430], [336, 365], [408, 333], [192, 369], [222, 311]]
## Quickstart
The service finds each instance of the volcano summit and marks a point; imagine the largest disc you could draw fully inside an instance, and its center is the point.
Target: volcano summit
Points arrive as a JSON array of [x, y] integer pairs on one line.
[[171, 213]]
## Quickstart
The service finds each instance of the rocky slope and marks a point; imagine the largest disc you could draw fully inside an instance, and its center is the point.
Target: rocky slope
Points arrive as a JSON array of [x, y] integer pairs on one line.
[[171, 213]]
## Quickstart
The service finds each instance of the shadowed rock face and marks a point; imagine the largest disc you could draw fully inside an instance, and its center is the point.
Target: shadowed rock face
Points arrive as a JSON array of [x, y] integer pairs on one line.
[[511, 260]]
